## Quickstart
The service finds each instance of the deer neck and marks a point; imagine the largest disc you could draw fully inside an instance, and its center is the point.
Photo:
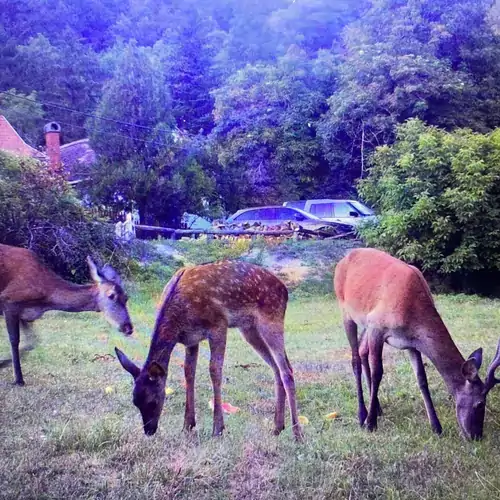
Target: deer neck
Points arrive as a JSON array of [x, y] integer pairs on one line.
[[162, 343], [74, 298], [439, 347]]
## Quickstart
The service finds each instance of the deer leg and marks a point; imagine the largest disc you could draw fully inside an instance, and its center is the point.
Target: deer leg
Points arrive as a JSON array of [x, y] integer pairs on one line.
[[12, 321], [217, 341], [351, 330], [252, 336], [189, 375], [273, 336], [29, 335], [363, 352], [419, 369], [375, 347]]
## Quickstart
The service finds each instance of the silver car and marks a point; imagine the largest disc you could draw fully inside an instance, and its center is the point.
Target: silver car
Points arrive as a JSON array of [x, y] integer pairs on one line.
[[350, 212]]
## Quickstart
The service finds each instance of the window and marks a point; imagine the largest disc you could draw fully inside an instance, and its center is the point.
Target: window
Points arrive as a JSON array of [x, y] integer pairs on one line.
[[322, 209], [342, 209], [285, 214], [266, 214], [248, 215]]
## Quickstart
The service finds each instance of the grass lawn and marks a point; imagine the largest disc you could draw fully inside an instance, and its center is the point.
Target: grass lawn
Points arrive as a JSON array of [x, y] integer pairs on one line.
[[63, 436]]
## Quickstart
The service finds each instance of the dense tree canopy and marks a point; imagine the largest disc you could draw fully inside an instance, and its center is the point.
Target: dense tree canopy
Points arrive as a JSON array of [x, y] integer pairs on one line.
[[243, 101], [438, 194]]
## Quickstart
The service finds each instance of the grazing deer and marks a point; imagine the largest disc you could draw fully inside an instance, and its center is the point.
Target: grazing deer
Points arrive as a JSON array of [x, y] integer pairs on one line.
[[28, 289], [200, 303], [390, 301]]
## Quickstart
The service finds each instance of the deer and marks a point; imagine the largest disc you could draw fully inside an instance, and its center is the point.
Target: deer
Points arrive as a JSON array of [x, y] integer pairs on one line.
[[201, 303], [28, 289], [384, 300]]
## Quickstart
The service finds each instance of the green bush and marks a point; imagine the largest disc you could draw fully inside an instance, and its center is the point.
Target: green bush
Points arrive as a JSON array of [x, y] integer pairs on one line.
[[438, 194], [200, 251], [39, 211]]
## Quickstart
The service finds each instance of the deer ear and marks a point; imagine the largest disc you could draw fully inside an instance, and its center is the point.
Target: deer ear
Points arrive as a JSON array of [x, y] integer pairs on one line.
[[156, 371], [111, 275], [128, 365], [470, 370], [94, 273], [477, 356]]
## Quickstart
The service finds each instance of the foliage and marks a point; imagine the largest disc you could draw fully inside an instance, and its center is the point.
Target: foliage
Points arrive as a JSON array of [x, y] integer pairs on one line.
[[65, 72], [149, 163], [201, 250], [272, 100], [438, 194], [411, 59], [39, 211], [265, 133], [24, 113]]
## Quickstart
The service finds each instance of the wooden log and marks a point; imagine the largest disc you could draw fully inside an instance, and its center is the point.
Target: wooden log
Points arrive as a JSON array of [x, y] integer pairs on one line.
[[176, 233]]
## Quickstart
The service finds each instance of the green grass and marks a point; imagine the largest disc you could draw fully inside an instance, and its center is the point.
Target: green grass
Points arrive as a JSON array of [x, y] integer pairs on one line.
[[62, 436]]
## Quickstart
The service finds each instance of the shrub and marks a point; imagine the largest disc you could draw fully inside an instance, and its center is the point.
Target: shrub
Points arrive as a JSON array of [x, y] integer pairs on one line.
[[39, 210], [438, 194]]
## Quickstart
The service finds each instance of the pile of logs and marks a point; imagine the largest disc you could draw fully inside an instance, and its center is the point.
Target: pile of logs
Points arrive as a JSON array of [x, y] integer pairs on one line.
[[219, 230]]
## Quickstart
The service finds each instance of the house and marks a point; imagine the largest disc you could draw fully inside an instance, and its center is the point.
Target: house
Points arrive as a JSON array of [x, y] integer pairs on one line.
[[73, 159]]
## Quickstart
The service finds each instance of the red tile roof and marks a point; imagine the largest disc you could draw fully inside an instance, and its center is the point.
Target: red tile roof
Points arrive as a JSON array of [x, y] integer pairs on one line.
[[11, 141]]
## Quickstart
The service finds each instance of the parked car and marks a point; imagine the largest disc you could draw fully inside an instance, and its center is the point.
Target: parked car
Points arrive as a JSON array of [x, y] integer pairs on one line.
[[350, 212], [276, 215]]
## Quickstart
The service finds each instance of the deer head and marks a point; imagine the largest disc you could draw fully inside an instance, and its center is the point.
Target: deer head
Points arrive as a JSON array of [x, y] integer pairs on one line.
[[471, 396], [149, 386], [111, 298], [149, 390]]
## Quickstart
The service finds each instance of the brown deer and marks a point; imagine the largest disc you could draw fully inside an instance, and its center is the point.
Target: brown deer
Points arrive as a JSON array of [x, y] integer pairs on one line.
[[200, 303], [390, 301], [28, 289]]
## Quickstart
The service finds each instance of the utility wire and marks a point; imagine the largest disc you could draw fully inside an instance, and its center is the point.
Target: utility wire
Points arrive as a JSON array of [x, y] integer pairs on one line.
[[65, 108], [151, 141]]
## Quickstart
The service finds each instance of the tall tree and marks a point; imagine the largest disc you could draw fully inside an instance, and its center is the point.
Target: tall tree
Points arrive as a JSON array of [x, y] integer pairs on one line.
[[67, 76], [265, 131], [186, 50], [138, 146]]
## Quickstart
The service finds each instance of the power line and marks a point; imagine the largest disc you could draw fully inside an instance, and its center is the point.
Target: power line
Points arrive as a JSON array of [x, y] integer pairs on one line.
[[152, 141], [111, 134], [65, 108]]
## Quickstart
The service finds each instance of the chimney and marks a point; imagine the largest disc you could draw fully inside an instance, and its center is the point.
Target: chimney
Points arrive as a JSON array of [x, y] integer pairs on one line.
[[52, 132]]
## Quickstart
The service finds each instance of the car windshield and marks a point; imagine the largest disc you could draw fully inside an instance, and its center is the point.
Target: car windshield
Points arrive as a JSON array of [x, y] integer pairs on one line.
[[363, 209]]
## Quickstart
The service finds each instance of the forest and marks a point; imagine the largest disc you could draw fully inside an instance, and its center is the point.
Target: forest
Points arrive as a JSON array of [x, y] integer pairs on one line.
[[213, 105]]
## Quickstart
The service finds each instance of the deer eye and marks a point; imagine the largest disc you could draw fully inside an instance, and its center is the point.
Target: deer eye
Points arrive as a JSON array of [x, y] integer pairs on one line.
[[112, 296]]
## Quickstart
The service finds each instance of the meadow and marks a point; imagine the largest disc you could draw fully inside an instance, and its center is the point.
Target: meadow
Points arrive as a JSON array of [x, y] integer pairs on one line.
[[72, 431]]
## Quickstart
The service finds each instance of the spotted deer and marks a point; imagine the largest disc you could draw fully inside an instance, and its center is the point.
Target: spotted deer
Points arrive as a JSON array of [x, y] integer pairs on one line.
[[28, 289], [384, 300], [200, 303]]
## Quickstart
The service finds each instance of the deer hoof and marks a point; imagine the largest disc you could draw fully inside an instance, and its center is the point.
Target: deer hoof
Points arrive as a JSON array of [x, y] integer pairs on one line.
[[277, 430], [371, 426], [437, 429], [362, 417], [299, 435]]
